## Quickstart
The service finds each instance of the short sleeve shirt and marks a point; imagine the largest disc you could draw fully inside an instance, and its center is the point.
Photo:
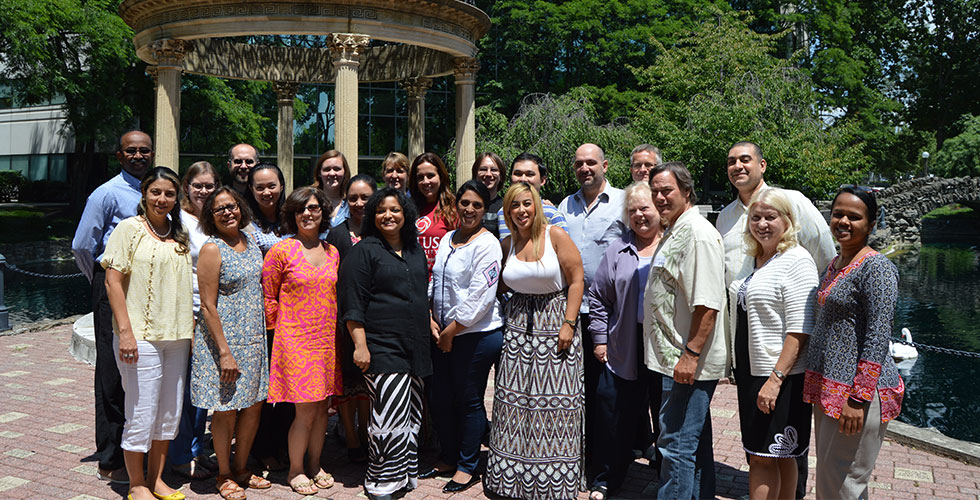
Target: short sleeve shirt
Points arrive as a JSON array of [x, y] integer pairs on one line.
[[687, 271], [156, 282]]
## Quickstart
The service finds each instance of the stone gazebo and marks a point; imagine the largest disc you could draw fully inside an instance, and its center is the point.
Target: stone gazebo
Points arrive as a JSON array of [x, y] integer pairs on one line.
[[425, 39]]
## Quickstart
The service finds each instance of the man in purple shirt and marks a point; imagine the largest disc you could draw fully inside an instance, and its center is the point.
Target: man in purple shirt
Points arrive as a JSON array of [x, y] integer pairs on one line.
[[109, 204]]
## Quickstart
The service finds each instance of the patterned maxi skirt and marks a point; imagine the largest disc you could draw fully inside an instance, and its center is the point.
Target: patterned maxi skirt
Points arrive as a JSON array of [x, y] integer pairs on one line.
[[537, 435]]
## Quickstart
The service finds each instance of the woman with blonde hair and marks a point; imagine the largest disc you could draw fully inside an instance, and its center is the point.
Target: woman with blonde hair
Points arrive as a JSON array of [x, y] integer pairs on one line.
[[539, 400], [394, 171], [771, 311], [148, 282], [186, 454]]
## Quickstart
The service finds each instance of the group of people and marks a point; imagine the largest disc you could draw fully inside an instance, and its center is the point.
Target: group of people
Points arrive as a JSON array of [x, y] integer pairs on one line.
[[390, 303]]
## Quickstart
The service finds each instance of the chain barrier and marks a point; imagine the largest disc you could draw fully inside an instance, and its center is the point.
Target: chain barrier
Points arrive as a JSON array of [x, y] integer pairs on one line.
[[942, 350], [41, 275]]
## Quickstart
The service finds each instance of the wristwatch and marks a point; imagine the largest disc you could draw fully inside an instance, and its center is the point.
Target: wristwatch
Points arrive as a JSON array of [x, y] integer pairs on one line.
[[780, 375], [571, 322]]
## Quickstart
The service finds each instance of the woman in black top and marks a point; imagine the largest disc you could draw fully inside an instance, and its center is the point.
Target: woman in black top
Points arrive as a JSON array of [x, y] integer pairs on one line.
[[384, 304], [344, 236]]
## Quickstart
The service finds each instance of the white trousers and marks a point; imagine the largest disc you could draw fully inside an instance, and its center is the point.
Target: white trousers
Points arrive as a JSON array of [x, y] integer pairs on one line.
[[154, 388]]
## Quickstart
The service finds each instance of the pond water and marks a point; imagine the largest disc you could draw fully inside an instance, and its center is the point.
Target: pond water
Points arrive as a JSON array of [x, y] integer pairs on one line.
[[32, 299], [939, 301]]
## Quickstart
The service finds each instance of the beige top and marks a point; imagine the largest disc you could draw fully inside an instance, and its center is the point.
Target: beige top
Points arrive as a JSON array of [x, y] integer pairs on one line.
[[688, 270], [156, 282]]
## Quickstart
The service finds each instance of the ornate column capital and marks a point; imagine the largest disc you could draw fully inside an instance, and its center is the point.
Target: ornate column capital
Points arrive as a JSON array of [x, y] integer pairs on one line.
[[346, 48], [416, 86], [170, 53], [465, 69], [286, 92]]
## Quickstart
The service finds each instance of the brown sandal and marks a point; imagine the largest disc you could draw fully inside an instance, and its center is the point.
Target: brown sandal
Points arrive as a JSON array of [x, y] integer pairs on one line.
[[253, 481], [229, 489]]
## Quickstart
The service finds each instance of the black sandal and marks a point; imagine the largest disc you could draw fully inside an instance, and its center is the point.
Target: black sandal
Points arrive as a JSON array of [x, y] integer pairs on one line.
[[602, 491]]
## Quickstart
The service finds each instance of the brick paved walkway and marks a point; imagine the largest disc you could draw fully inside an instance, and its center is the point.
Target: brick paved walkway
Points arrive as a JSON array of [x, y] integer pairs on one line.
[[46, 442]]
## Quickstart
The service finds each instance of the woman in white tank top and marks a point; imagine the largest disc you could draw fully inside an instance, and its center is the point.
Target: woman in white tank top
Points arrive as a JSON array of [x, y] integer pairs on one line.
[[538, 406]]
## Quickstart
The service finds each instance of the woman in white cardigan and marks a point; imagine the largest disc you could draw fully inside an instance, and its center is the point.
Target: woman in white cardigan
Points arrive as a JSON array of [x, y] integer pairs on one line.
[[771, 313]]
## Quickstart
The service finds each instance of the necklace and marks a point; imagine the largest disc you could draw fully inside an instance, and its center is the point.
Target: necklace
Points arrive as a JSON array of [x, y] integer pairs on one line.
[[161, 236]]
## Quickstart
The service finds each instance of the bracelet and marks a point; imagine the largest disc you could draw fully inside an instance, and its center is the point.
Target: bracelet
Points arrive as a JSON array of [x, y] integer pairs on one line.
[[780, 375], [571, 322], [857, 400], [692, 352]]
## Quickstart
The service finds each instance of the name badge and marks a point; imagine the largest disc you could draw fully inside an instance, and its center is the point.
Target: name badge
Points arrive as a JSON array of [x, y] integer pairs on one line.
[[659, 261]]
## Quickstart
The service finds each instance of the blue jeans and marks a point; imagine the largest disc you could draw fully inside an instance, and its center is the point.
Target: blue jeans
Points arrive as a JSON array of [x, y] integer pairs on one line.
[[459, 380], [189, 442], [687, 469]]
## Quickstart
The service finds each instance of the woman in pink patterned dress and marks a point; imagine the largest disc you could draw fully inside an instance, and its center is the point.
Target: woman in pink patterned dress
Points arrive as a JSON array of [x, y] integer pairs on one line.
[[299, 279]]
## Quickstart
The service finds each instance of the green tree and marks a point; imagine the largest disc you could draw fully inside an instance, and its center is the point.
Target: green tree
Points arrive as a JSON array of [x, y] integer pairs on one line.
[[83, 52], [552, 128], [960, 155], [552, 46], [720, 84]]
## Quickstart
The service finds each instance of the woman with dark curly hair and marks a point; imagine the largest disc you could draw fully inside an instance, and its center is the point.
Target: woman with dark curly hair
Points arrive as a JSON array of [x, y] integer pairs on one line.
[[299, 279], [433, 196], [387, 314]]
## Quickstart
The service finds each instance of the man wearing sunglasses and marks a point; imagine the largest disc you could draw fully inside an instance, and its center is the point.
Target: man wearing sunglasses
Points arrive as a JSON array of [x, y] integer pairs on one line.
[[109, 204], [241, 159]]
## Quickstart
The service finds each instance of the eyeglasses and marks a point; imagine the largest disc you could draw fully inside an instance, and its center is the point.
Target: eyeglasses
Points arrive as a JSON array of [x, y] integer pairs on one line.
[[313, 208], [239, 161], [201, 186], [231, 207], [133, 151]]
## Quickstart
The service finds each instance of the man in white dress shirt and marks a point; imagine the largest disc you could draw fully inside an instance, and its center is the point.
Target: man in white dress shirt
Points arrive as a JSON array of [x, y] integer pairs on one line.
[[746, 167]]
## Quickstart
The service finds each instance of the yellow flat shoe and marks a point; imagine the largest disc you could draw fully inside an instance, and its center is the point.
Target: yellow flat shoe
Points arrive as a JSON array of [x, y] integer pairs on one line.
[[173, 496]]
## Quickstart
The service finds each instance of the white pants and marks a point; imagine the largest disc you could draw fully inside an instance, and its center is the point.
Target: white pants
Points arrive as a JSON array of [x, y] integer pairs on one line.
[[154, 388]]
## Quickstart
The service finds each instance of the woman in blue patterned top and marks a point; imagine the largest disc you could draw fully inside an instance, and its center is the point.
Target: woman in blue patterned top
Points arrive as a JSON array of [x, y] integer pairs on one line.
[[229, 368], [851, 379]]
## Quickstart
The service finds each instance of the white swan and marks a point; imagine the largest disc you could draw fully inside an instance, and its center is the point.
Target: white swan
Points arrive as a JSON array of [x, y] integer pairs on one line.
[[903, 351]]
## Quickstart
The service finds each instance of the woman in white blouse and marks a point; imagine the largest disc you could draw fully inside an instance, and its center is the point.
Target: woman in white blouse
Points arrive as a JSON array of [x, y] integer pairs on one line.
[[463, 295], [771, 313]]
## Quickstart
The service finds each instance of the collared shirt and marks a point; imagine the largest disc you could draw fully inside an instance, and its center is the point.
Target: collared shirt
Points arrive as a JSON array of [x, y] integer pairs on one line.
[[108, 205], [551, 214], [688, 271], [613, 299], [593, 228], [464, 281], [814, 234], [387, 293]]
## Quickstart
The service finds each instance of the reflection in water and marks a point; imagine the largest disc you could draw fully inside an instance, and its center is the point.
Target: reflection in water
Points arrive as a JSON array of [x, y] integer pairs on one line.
[[31, 299], [939, 301]]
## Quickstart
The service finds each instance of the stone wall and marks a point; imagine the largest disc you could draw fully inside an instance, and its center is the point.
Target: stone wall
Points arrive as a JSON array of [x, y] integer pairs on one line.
[[905, 203]]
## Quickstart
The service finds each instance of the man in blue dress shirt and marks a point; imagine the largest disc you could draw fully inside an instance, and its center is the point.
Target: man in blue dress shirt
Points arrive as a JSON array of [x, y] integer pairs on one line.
[[594, 216], [109, 204]]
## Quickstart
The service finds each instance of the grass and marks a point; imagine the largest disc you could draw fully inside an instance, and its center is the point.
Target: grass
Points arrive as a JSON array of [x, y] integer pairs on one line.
[[952, 211], [26, 225]]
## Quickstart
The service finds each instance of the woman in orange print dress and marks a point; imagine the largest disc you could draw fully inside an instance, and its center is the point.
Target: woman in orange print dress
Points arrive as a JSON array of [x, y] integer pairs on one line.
[[299, 280]]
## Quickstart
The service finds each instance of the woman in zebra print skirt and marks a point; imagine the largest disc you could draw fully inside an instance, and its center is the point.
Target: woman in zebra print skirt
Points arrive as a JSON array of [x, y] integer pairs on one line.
[[385, 306], [536, 439]]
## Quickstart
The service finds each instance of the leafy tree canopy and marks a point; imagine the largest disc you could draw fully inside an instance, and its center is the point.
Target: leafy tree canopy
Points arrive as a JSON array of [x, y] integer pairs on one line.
[[720, 84], [960, 154]]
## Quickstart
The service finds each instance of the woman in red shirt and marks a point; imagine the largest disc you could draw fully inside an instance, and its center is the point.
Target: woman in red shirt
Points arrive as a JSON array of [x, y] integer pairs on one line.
[[432, 193]]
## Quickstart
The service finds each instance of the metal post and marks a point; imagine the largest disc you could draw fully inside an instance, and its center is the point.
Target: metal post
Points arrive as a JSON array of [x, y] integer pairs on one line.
[[4, 316]]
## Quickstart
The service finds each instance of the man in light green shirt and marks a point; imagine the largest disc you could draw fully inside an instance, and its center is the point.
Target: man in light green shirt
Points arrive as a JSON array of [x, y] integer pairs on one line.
[[683, 337]]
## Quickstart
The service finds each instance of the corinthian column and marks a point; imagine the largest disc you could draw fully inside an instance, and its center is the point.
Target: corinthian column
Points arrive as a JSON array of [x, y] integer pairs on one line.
[[415, 88], [346, 50], [465, 69], [285, 94], [169, 55]]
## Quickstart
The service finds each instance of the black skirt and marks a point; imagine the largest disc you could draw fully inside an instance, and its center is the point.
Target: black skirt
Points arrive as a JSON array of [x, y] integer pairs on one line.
[[784, 432]]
